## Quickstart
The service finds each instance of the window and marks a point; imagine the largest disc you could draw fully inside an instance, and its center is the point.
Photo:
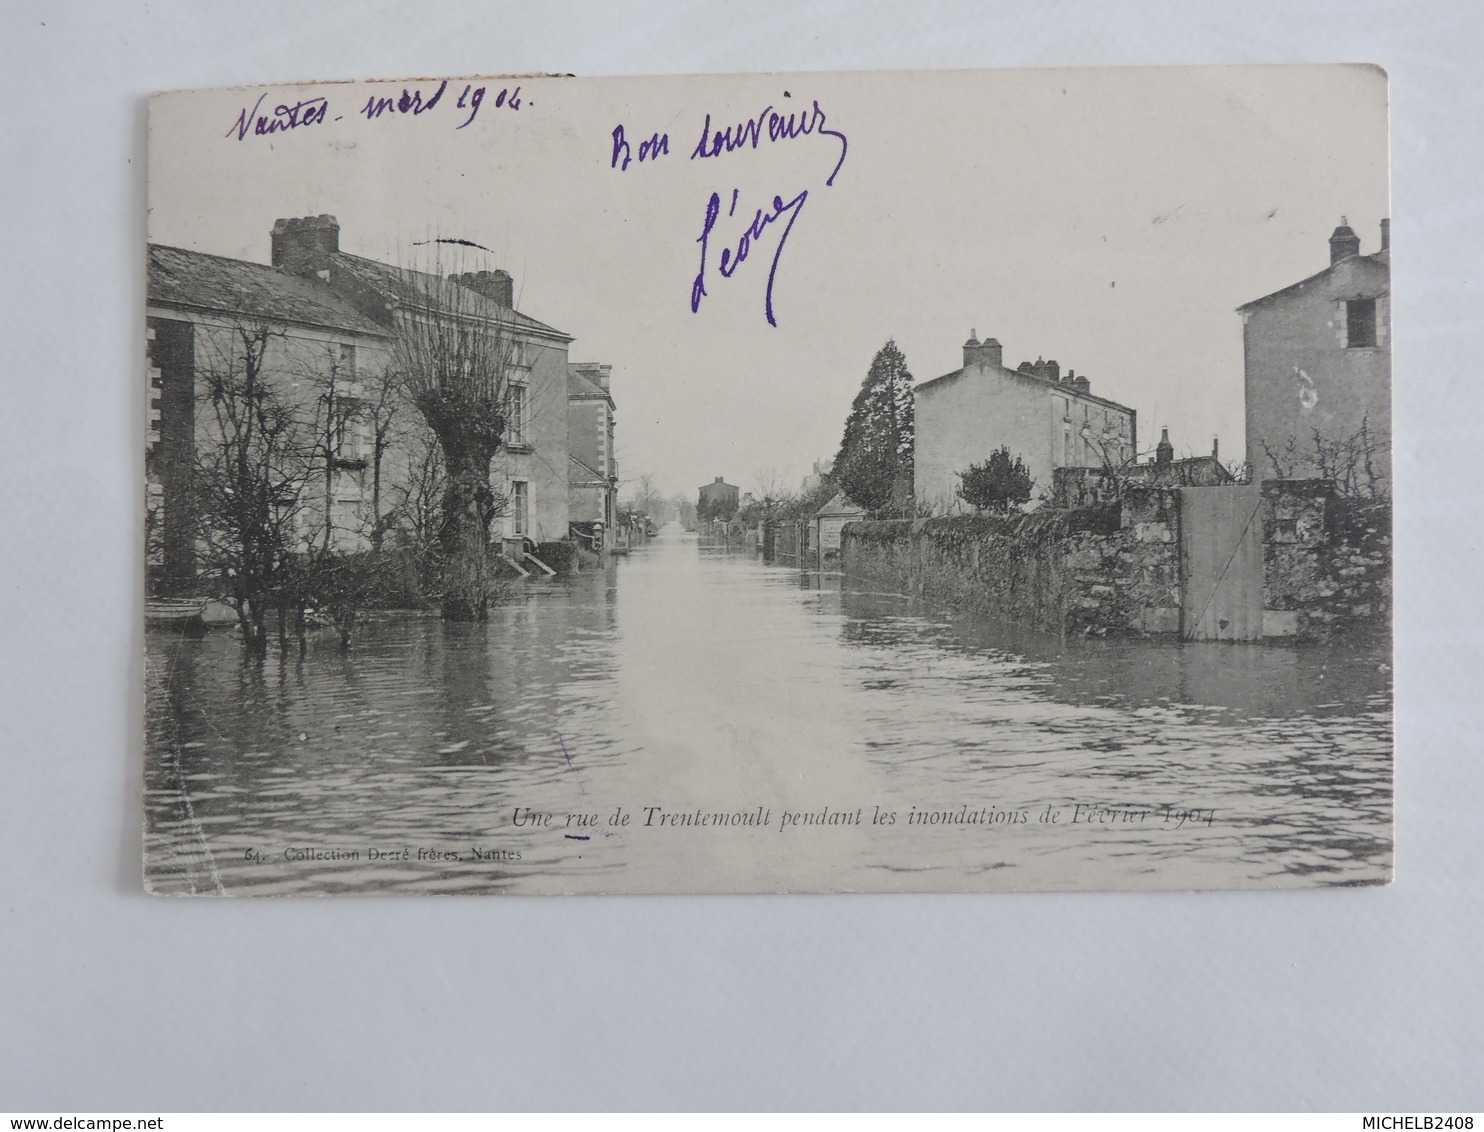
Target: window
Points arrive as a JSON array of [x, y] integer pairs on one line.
[[515, 425], [520, 501], [1360, 323], [343, 363]]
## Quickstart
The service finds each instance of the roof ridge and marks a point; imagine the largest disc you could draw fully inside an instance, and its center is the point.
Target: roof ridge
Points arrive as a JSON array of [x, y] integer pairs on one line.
[[410, 276], [1375, 257], [207, 281]]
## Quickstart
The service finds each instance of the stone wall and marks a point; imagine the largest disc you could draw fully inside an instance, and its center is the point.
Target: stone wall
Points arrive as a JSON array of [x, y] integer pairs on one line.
[[1327, 558], [1116, 568], [1094, 570]]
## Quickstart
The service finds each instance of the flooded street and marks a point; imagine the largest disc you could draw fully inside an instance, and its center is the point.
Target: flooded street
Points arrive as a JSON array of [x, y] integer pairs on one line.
[[830, 736]]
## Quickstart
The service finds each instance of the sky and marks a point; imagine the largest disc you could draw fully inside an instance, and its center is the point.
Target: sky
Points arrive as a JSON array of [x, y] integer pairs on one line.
[[1111, 219]]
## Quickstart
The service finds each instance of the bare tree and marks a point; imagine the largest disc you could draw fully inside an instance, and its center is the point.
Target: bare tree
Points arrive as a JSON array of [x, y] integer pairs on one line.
[[771, 494], [645, 498], [251, 472], [1355, 464], [382, 411], [417, 496], [454, 358], [1283, 459], [1351, 462]]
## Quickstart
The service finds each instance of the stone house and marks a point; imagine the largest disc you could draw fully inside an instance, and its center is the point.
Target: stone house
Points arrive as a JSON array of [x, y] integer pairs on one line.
[[1318, 370], [214, 322], [592, 465], [530, 472], [719, 494], [822, 468], [1048, 419]]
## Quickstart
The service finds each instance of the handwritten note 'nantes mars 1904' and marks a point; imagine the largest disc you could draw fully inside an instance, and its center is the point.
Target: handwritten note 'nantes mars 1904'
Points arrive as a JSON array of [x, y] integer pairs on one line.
[[855, 482]]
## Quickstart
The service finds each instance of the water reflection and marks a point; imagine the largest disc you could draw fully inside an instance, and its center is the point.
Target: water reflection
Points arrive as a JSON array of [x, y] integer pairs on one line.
[[689, 679], [1249, 681]]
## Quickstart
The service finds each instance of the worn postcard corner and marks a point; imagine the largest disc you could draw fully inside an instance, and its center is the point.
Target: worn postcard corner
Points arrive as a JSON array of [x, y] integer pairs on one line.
[[898, 482]]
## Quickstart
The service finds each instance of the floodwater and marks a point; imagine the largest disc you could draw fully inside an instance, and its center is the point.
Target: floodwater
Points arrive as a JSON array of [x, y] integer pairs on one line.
[[689, 720]]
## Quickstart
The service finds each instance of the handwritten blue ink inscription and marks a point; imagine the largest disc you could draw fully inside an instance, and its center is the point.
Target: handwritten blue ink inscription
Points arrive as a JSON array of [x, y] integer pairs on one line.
[[770, 125], [471, 100], [732, 258], [409, 103], [650, 148], [256, 122], [283, 117], [749, 134]]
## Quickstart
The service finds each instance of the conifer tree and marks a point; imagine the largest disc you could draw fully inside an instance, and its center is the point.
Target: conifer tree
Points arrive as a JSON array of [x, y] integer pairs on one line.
[[874, 465]]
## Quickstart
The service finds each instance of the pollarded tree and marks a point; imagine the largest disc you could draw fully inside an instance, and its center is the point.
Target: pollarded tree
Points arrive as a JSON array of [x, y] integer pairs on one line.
[[998, 482], [874, 465], [455, 357]]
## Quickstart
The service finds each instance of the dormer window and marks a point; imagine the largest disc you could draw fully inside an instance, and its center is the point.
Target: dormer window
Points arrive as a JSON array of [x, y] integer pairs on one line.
[[1360, 323]]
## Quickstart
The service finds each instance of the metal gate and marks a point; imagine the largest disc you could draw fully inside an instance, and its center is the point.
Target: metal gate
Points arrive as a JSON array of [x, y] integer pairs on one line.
[[1221, 563]]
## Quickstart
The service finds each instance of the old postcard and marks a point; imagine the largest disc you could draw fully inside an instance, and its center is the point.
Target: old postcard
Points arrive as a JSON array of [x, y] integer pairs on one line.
[[930, 482]]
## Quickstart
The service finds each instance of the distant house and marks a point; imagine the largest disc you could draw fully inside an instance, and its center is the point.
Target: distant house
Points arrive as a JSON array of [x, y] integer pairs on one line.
[[1318, 368], [530, 471], [592, 466], [828, 522], [816, 477], [718, 496], [1048, 420], [1081, 487], [212, 321]]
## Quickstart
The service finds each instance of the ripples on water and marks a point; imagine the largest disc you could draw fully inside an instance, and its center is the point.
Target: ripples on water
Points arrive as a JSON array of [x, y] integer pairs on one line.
[[682, 678]]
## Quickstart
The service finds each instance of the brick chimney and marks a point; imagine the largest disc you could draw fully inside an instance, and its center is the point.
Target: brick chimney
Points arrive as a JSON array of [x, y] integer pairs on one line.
[[989, 352], [1164, 451], [497, 286], [1343, 242], [1082, 384], [303, 245]]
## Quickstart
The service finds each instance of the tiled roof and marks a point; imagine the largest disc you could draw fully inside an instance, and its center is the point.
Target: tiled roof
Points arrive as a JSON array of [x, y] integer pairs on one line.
[[839, 505], [235, 287], [1060, 386], [580, 386], [580, 472], [1378, 259], [416, 287]]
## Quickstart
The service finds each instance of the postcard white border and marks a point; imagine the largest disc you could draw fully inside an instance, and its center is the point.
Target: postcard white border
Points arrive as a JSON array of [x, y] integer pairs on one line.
[[1336, 1000]]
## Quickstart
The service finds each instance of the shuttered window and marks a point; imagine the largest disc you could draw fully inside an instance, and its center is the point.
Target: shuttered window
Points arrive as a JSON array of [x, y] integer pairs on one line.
[[1360, 323]]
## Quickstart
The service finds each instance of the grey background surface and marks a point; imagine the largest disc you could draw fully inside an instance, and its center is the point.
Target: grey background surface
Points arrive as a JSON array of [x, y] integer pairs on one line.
[[1368, 999]]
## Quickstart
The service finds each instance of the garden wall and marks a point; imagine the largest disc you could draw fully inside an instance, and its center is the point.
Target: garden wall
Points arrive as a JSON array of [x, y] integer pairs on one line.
[[1111, 569], [1327, 559], [1116, 568]]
